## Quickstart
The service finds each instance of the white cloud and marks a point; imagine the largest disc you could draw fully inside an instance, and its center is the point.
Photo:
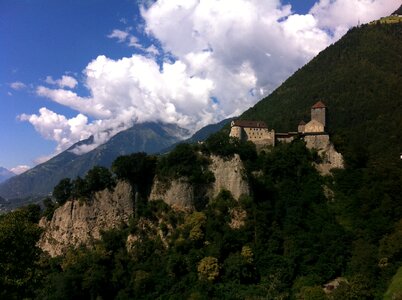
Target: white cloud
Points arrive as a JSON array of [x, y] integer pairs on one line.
[[63, 82], [18, 85], [118, 34], [133, 42], [339, 15], [126, 36], [20, 169], [152, 50], [232, 51], [53, 126]]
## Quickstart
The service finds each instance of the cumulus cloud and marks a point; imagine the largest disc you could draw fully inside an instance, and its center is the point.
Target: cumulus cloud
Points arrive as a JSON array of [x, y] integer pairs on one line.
[[63, 82], [20, 169], [340, 15], [214, 61], [18, 85], [53, 126]]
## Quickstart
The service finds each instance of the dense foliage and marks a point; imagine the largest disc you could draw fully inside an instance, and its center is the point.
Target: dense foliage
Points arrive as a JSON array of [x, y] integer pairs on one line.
[[185, 161], [97, 179], [359, 79], [283, 242]]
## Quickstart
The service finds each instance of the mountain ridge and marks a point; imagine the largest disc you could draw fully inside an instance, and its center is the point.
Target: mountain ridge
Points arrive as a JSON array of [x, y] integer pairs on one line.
[[5, 174], [40, 180]]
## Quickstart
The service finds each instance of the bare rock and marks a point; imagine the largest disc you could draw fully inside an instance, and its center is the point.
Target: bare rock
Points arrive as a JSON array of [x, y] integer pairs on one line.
[[331, 159], [179, 194], [77, 223], [229, 175]]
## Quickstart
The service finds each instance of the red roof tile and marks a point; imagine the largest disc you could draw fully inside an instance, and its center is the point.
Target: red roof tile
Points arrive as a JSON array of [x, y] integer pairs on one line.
[[319, 104]]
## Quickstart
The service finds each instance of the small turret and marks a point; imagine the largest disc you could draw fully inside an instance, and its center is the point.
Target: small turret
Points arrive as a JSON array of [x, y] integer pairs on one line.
[[236, 131], [301, 126], [318, 112]]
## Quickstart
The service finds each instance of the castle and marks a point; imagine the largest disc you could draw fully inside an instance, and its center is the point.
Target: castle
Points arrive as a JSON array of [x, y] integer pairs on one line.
[[258, 132]]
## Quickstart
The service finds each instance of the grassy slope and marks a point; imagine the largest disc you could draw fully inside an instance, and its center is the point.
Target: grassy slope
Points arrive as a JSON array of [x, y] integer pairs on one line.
[[395, 288], [359, 78]]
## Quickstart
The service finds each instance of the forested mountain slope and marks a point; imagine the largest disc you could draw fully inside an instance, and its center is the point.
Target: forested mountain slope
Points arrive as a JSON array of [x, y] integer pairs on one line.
[[359, 79], [39, 181]]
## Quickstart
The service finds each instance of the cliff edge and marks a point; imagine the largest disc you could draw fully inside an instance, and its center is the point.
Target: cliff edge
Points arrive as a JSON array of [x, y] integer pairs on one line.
[[77, 223]]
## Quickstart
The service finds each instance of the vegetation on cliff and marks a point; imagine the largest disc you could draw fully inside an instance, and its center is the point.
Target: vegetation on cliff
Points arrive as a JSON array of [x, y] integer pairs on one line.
[[289, 240]]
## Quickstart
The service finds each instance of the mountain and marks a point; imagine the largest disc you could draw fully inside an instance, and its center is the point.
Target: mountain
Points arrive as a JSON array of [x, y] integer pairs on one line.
[[398, 11], [359, 79], [5, 174], [40, 180], [201, 135]]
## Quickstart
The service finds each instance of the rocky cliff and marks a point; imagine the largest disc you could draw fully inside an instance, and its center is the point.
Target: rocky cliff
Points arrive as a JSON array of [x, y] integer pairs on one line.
[[330, 158], [229, 175], [178, 193], [77, 223]]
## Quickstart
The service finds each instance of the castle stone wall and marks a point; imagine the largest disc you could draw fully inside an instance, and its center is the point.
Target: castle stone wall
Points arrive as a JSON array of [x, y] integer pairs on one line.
[[236, 132], [259, 135], [314, 126], [319, 115]]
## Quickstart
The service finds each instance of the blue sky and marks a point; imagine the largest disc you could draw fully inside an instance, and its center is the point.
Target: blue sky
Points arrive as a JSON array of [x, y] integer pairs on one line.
[[74, 68]]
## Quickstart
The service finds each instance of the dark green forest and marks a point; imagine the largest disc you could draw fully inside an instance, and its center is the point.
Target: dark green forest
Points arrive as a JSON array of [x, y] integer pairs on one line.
[[359, 80], [292, 239], [297, 230]]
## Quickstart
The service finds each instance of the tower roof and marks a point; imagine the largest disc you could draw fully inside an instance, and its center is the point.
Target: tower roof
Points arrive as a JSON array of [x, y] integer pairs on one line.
[[302, 122], [319, 104]]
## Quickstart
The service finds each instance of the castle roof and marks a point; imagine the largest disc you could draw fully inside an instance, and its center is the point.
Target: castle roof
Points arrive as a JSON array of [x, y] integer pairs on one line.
[[319, 104], [249, 124], [302, 122]]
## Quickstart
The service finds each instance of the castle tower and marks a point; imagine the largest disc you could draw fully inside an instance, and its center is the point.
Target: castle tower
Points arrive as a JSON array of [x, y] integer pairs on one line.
[[318, 112], [301, 126], [236, 131]]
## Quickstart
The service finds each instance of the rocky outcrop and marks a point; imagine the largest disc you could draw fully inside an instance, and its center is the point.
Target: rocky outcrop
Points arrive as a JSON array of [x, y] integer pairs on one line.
[[229, 175], [181, 195], [330, 158], [77, 223]]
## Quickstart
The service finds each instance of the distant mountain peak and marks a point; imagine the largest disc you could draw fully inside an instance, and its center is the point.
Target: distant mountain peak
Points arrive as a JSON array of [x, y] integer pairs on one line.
[[398, 12], [5, 174], [147, 137]]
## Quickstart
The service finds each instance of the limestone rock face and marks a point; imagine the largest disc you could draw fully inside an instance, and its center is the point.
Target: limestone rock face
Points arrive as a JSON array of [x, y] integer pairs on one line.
[[181, 195], [77, 223], [330, 157], [229, 175]]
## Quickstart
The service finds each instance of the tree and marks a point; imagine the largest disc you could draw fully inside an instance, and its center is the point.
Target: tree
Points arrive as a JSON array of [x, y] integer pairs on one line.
[[50, 207], [18, 255], [208, 269], [99, 178], [62, 191], [80, 189], [139, 170]]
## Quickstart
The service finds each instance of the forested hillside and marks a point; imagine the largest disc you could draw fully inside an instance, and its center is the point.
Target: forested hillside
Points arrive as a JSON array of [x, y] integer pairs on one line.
[[359, 79]]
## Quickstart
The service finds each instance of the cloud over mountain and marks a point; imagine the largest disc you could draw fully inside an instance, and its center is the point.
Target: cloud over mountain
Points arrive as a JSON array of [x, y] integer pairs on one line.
[[214, 60]]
